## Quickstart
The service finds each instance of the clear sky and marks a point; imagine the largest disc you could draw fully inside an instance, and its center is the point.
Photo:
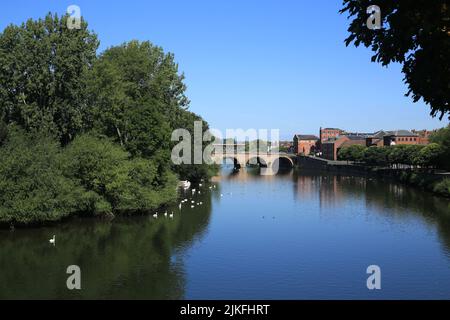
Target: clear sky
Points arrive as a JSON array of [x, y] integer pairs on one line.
[[258, 64]]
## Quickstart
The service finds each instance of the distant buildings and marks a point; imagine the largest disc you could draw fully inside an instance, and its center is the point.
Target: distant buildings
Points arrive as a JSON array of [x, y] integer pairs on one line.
[[331, 140], [390, 138], [305, 144]]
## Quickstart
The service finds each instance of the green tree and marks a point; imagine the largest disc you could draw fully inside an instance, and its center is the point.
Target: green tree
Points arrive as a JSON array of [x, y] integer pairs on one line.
[[415, 34], [411, 154], [375, 156], [344, 154], [398, 155], [123, 183], [42, 83], [3, 132], [352, 153], [442, 137], [429, 156], [138, 99], [32, 186]]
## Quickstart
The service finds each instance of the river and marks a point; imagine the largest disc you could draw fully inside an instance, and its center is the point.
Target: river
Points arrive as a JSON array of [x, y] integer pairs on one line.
[[290, 236]]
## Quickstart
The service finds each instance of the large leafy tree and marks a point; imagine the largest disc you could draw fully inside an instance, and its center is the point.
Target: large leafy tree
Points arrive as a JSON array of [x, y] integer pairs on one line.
[[415, 34], [136, 93], [138, 98], [43, 68]]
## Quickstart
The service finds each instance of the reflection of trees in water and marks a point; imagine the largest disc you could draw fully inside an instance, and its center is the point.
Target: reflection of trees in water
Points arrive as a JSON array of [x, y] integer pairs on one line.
[[126, 258], [387, 197]]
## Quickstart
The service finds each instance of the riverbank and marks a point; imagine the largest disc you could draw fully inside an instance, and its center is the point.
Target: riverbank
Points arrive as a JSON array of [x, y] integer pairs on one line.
[[436, 183]]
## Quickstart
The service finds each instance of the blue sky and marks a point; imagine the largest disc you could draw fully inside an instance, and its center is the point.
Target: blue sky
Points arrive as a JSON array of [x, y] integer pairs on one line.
[[259, 64]]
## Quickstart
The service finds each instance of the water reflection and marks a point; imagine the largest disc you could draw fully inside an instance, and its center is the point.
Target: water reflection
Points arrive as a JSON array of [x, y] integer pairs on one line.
[[128, 258], [295, 235]]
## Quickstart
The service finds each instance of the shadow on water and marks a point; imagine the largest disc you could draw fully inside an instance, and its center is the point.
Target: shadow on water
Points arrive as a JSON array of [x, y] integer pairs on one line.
[[127, 258]]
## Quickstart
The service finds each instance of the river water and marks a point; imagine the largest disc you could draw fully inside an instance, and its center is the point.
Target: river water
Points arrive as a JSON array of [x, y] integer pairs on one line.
[[290, 236]]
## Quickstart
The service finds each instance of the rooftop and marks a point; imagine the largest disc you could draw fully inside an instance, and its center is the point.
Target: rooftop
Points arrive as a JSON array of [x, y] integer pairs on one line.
[[306, 137], [332, 129], [396, 133]]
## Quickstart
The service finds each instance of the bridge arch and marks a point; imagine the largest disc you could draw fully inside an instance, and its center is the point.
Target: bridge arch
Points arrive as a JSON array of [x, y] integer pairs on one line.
[[284, 162], [236, 163], [257, 160]]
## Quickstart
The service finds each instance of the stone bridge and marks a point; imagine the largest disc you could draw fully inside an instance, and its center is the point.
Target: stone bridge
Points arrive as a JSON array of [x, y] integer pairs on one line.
[[265, 160]]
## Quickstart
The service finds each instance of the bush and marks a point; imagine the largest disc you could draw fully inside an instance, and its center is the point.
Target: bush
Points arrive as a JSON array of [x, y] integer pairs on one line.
[[443, 187], [102, 167], [32, 186]]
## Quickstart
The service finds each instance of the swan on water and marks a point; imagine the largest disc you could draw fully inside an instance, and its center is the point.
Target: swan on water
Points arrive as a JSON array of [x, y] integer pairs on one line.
[[52, 240]]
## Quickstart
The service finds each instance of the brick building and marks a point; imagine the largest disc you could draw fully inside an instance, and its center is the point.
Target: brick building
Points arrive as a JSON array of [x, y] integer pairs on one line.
[[424, 135], [305, 144], [331, 147], [390, 138], [329, 133]]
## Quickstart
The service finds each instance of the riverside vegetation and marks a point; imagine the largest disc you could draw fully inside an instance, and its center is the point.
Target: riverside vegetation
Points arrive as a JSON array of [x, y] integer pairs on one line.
[[416, 161], [82, 133]]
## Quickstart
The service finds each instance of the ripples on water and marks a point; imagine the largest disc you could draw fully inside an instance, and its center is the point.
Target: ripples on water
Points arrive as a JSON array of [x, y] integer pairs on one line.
[[290, 236]]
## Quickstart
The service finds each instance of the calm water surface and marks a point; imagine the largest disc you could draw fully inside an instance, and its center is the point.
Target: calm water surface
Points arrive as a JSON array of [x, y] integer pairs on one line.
[[290, 236]]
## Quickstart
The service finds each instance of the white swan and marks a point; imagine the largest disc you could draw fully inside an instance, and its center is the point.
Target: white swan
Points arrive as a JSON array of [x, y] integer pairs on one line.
[[165, 214], [155, 215], [185, 184], [52, 240], [171, 216]]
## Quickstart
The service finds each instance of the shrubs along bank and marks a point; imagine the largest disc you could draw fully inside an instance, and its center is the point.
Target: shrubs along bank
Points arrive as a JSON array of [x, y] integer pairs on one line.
[[82, 133]]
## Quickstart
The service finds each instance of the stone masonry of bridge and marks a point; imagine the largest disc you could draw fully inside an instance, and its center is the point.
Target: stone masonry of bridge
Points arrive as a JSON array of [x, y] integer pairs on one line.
[[263, 159]]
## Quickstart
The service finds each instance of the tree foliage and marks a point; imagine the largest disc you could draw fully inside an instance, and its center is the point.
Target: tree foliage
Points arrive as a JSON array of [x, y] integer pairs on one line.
[[123, 183], [442, 138], [32, 185], [352, 153], [415, 34], [429, 156], [43, 67], [81, 133]]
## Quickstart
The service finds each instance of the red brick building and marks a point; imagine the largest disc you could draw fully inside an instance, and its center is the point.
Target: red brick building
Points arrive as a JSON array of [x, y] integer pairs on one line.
[[424, 135], [329, 133], [390, 138], [331, 147], [305, 144]]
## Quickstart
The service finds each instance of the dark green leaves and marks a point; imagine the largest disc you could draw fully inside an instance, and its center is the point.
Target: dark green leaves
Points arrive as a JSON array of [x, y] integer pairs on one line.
[[414, 33]]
